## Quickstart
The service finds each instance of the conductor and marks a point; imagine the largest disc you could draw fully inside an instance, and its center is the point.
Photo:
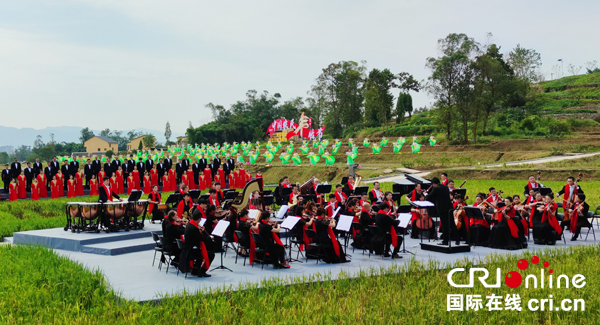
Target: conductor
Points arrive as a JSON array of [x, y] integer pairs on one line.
[[440, 196]]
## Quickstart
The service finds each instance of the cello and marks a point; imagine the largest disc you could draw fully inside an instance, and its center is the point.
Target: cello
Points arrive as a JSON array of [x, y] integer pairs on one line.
[[423, 222]]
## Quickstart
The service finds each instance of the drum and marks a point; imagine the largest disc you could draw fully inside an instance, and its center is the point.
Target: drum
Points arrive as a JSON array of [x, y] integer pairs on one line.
[[73, 209], [162, 206], [90, 210], [136, 209], [115, 210]]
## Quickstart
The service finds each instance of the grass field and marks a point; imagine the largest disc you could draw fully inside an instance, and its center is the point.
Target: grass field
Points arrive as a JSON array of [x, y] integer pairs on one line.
[[43, 214], [40, 287]]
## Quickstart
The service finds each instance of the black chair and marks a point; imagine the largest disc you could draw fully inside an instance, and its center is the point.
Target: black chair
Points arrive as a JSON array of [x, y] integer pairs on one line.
[[228, 243], [167, 254], [358, 228], [261, 249], [374, 232], [181, 246], [315, 245], [158, 248], [294, 241], [246, 248], [590, 215], [597, 217]]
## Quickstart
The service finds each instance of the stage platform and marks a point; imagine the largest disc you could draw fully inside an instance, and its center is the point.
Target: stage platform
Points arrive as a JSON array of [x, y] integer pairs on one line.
[[126, 261], [113, 243]]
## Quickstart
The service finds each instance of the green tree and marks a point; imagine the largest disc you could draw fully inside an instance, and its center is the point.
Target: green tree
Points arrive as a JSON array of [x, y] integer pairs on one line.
[[38, 143], [526, 63], [149, 140], [22, 152], [378, 97], [403, 105], [4, 158], [141, 145], [109, 153], [105, 132], [168, 133], [291, 108], [86, 134]]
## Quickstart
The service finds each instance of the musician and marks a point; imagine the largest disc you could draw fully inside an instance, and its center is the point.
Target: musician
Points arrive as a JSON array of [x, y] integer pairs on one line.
[[313, 191], [440, 196], [196, 236], [29, 175], [324, 228], [286, 182], [382, 240], [268, 231], [66, 171], [479, 229], [530, 198], [531, 184], [578, 216], [88, 171], [451, 185], [445, 180], [349, 186], [549, 230], [213, 199], [365, 219], [185, 206], [569, 192], [48, 173], [458, 205], [219, 191], [173, 230], [414, 192], [535, 215], [153, 202], [293, 198], [340, 196], [493, 198], [332, 204], [506, 234], [106, 193], [376, 195], [389, 201], [363, 199], [243, 225]]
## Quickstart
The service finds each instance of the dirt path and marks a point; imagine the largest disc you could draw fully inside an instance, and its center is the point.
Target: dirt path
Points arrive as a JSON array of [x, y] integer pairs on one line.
[[395, 177]]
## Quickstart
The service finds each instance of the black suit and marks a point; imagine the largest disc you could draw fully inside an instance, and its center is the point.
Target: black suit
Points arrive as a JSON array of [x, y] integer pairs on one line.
[[193, 237], [6, 178], [385, 224], [203, 163], [149, 165], [96, 166], [168, 163], [130, 165], [15, 169], [179, 169], [196, 169], [103, 196], [526, 191], [215, 165], [88, 171], [55, 167], [29, 175], [108, 169], [440, 196], [48, 173], [231, 162], [114, 165], [37, 168], [141, 168], [66, 171], [160, 169], [74, 167]]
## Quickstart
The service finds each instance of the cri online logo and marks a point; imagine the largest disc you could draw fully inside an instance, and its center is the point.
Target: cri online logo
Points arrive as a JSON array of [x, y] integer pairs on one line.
[[513, 279]]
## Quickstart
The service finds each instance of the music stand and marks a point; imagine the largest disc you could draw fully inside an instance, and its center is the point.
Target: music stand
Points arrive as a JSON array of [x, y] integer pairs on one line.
[[194, 194], [461, 191], [362, 190], [173, 199], [403, 221], [288, 224], [219, 231], [323, 189], [344, 180], [286, 191], [543, 190], [309, 197], [267, 192], [204, 197], [269, 199], [231, 195], [405, 208], [344, 225], [133, 198], [472, 213]]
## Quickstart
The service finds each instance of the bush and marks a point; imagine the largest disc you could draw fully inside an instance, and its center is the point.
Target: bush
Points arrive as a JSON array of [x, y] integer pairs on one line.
[[558, 129], [109, 153], [580, 123]]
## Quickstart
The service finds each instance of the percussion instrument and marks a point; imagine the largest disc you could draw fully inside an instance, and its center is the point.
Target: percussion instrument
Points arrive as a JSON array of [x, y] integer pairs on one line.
[[137, 209], [80, 216], [115, 210], [89, 210]]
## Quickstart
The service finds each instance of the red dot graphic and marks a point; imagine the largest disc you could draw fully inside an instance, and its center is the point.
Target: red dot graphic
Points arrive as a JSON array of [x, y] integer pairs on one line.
[[522, 264], [546, 264], [513, 279], [535, 260], [550, 271]]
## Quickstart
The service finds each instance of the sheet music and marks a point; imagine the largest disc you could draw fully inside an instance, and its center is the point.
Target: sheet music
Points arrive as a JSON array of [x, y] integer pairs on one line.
[[336, 212], [422, 204], [253, 213], [220, 228], [282, 211], [290, 222], [404, 219], [344, 223], [202, 222]]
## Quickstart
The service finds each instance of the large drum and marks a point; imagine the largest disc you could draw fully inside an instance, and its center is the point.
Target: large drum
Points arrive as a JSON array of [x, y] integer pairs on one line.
[[73, 210], [137, 209], [90, 210], [115, 210]]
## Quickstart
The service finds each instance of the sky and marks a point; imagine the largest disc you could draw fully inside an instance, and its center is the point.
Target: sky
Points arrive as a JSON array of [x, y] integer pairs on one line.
[[122, 64]]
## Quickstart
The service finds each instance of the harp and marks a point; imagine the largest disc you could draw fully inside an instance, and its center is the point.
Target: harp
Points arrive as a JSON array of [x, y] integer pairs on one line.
[[307, 186], [241, 201]]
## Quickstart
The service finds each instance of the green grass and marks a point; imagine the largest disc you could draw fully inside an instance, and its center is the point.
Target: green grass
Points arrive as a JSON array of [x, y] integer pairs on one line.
[[40, 287]]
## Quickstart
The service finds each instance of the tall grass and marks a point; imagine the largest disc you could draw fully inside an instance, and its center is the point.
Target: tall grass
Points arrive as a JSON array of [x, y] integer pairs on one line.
[[39, 287]]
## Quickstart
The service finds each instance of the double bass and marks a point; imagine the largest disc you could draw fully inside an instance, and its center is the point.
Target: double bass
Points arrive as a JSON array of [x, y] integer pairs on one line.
[[423, 222], [459, 216]]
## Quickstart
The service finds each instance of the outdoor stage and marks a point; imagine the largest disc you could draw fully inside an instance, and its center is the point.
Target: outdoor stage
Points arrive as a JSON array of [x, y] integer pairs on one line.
[[125, 258]]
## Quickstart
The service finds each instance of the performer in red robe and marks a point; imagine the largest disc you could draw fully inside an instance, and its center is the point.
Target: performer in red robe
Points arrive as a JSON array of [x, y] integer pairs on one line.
[[172, 180], [13, 190], [22, 180], [231, 180], [258, 174], [136, 179], [207, 177], [190, 178], [201, 183], [101, 175], [166, 186], [120, 181], [42, 181], [71, 187], [221, 175], [79, 183], [147, 183], [60, 178], [93, 185], [153, 177], [130, 184], [54, 187]]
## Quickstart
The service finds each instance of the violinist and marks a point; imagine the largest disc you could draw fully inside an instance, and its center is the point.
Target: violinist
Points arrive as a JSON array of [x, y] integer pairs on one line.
[[421, 221], [340, 196], [531, 184], [268, 231], [445, 180], [479, 229], [313, 191], [184, 207], [579, 214], [365, 219], [389, 201], [521, 215], [213, 199], [173, 229], [535, 215], [493, 198], [306, 221], [451, 185], [388, 234], [506, 234], [569, 192], [243, 225], [324, 228], [413, 194], [197, 247], [548, 230], [376, 195], [460, 216]]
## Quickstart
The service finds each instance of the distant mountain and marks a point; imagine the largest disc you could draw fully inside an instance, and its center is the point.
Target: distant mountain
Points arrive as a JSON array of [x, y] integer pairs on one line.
[[15, 137]]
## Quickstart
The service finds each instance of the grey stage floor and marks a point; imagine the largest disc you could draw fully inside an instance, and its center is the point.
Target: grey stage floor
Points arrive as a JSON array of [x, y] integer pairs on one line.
[[134, 277]]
